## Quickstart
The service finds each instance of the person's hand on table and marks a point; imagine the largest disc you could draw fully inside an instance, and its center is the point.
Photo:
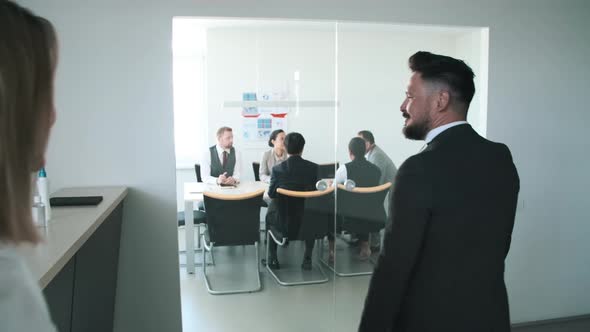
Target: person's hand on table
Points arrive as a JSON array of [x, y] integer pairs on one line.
[[231, 181], [222, 178]]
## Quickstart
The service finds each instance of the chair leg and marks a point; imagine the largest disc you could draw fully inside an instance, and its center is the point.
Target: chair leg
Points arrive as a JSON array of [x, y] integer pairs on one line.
[[332, 267], [199, 236], [295, 283], [319, 251], [199, 246], [197, 249], [212, 258], [267, 248], [257, 265], [205, 260], [223, 292]]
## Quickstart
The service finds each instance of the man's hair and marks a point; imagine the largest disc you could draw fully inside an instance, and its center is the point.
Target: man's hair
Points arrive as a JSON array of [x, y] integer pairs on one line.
[[357, 147], [368, 136], [222, 130], [453, 73], [294, 142], [273, 136]]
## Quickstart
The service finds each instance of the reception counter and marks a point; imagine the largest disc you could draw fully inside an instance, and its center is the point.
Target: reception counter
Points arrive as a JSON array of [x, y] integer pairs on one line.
[[77, 263]]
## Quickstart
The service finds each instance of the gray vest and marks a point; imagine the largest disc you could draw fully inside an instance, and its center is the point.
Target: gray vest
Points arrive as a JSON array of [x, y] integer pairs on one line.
[[216, 168]]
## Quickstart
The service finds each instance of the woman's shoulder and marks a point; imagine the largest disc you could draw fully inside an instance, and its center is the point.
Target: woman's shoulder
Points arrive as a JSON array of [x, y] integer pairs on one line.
[[10, 260], [15, 278], [266, 154], [22, 305]]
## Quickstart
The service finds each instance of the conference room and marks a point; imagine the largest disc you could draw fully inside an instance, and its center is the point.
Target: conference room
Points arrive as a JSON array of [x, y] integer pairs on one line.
[[247, 80], [141, 91]]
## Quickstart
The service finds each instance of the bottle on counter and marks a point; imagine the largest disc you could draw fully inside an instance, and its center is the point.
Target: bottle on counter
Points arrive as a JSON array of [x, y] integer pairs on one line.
[[39, 212], [43, 188]]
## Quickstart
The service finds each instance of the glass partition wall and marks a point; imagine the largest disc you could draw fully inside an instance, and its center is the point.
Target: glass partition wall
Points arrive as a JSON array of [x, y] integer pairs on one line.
[[339, 85], [372, 76]]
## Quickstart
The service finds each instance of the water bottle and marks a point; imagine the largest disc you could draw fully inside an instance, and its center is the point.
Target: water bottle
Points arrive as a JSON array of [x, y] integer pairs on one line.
[[39, 212], [43, 188]]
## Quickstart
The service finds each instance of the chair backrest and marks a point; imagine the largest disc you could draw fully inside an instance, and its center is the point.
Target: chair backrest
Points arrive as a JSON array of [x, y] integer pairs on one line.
[[306, 214], [256, 169], [198, 172], [233, 219], [361, 209], [327, 171]]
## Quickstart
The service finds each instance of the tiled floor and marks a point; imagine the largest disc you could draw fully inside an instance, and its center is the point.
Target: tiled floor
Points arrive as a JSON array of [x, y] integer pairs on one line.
[[579, 325], [332, 306]]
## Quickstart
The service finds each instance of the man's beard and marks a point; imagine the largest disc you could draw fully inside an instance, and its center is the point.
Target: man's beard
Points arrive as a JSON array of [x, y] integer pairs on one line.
[[417, 130]]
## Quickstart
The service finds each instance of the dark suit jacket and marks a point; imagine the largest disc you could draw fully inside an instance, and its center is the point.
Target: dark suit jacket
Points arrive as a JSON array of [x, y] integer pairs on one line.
[[295, 173], [442, 266]]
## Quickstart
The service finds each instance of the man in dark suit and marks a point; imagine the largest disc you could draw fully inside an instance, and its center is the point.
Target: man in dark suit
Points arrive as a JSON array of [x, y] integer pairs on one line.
[[295, 173], [453, 208]]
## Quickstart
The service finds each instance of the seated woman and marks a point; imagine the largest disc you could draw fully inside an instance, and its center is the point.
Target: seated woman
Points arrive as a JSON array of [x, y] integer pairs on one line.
[[364, 174], [274, 156]]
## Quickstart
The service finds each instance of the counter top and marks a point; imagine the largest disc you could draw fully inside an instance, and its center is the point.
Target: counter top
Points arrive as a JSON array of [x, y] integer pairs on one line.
[[68, 229]]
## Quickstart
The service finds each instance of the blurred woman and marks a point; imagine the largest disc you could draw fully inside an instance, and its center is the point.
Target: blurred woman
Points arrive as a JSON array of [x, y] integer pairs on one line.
[[274, 156], [28, 57]]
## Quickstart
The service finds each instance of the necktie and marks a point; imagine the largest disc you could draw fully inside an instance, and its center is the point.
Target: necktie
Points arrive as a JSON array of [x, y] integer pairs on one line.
[[224, 159]]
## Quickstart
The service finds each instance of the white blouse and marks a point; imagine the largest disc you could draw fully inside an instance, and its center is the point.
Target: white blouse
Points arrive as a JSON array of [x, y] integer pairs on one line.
[[269, 160], [22, 306]]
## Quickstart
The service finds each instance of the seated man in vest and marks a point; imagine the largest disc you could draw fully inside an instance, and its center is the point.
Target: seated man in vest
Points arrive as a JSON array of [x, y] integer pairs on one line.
[[221, 163], [364, 174], [295, 173]]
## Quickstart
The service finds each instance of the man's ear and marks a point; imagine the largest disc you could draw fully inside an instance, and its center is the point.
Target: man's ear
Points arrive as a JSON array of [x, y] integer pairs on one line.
[[442, 101]]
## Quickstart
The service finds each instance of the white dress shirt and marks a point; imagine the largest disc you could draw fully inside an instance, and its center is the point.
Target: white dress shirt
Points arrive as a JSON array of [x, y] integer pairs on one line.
[[436, 131], [206, 164], [341, 175]]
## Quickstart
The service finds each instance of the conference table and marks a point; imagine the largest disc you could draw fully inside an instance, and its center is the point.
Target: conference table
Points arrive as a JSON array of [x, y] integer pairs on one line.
[[193, 193]]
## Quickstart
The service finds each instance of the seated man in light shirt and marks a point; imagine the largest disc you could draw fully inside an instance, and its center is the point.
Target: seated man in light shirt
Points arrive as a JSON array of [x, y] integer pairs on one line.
[[364, 174], [221, 163], [377, 156]]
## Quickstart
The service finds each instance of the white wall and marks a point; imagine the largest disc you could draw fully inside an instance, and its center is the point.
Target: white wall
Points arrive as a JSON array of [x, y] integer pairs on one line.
[[372, 77], [472, 47], [115, 127], [259, 59]]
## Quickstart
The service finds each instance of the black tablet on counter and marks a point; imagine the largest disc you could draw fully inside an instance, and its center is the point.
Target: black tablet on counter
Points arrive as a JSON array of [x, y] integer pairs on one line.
[[75, 201]]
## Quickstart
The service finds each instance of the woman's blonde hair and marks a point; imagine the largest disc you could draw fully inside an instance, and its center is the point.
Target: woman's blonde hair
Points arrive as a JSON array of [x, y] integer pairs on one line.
[[28, 56]]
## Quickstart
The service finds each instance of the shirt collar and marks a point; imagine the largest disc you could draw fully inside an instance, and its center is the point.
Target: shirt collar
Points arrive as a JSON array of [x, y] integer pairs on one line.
[[220, 149], [276, 156], [436, 131]]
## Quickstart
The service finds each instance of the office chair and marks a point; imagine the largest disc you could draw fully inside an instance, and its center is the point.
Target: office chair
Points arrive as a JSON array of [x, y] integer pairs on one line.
[[232, 220]]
